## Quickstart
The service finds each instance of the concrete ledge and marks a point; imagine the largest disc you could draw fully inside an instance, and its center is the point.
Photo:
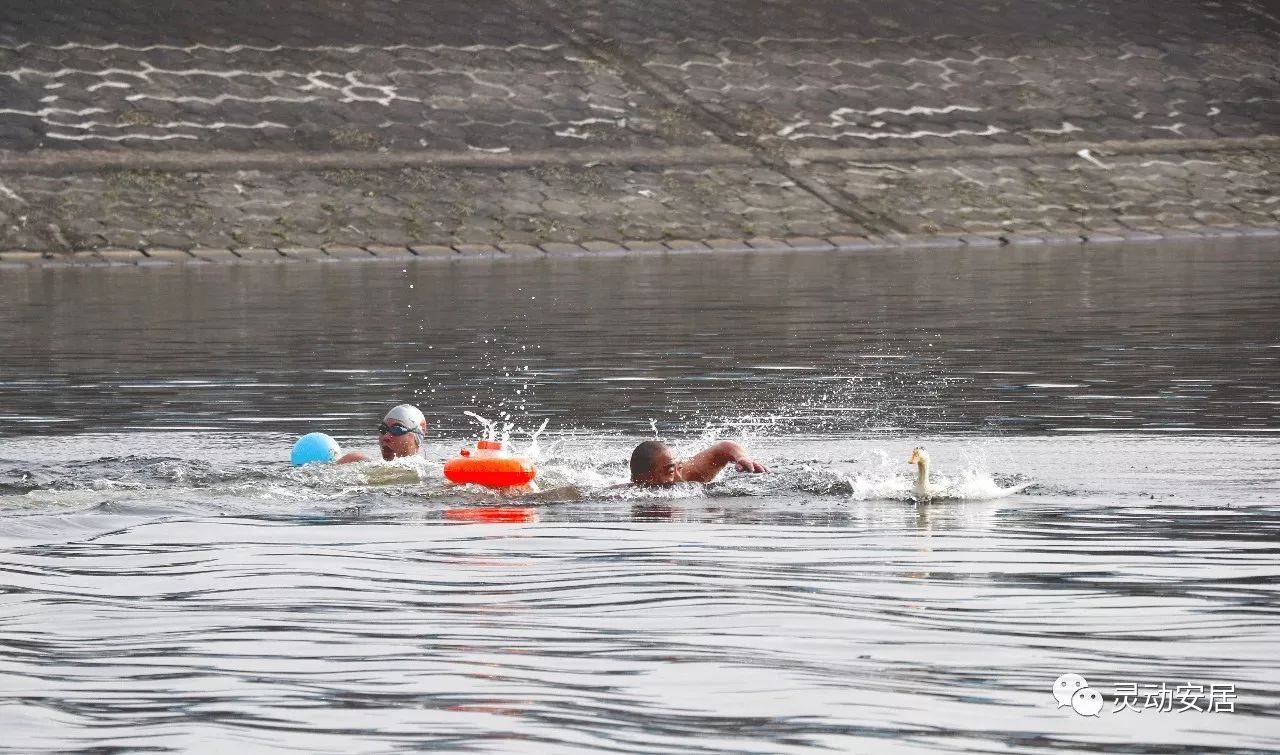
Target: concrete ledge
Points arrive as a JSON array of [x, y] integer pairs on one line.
[[764, 242], [167, 256], [521, 250], [727, 245], [478, 250], [300, 253], [1181, 234], [1032, 239], [390, 252], [347, 252], [260, 255], [1062, 149], [1142, 236], [981, 240], [433, 251], [22, 258], [810, 244], [87, 160], [684, 246], [19, 259], [1218, 232], [211, 254], [1021, 239], [604, 248], [1103, 237], [560, 249], [928, 242], [86, 257], [121, 256], [857, 243], [645, 247]]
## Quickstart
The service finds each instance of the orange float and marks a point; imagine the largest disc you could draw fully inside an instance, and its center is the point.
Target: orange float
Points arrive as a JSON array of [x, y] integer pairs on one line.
[[490, 465]]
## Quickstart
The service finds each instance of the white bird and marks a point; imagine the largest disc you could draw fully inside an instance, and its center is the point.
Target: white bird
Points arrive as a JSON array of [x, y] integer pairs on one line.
[[924, 491], [921, 488]]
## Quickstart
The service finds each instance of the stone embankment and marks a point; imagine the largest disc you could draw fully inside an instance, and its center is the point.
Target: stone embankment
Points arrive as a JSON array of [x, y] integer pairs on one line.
[[316, 129]]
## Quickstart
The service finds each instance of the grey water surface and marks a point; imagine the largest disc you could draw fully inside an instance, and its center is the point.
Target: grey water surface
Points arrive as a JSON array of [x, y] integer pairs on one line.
[[168, 583]]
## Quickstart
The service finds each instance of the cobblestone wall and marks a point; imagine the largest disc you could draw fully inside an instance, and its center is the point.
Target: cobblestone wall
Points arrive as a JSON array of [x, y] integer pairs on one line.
[[233, 125]]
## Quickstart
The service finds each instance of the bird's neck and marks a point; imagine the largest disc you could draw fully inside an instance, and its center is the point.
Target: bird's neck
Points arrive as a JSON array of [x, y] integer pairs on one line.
[[922, 472]]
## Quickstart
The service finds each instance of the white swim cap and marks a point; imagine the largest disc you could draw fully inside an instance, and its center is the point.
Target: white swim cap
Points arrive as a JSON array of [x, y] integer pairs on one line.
[[410, 416]]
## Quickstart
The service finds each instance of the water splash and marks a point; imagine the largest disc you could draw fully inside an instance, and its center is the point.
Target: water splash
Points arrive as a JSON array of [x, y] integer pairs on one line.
[[533, 452], [503, 431], [490, 426]]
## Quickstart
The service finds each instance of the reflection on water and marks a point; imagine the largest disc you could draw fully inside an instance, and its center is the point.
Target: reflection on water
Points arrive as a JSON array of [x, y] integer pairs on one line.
[[348, 618], [168, 583], [1160, 338]]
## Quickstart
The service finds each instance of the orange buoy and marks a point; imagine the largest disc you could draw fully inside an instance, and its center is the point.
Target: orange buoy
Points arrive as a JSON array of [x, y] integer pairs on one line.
[[489, 465]]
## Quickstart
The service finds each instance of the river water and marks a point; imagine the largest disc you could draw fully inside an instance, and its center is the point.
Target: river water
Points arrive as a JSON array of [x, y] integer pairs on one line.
[[169, 583]]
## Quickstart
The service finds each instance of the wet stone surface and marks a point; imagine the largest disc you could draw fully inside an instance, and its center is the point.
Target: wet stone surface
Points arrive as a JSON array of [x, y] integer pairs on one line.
[[1071, 195], [674, 83], [404, 97], [937, 73], [398, 208], [506, 77]]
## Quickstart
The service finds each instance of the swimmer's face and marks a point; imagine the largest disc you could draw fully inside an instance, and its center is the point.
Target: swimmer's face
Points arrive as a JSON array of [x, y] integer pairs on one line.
[[393, 447], [665, 470]]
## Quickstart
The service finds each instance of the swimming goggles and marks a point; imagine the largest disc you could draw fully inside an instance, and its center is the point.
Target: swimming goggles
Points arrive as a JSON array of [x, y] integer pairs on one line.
[[396, 430]]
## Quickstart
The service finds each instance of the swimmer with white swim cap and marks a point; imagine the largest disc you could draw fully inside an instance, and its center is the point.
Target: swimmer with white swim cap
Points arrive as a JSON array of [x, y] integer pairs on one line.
[[401, 434]]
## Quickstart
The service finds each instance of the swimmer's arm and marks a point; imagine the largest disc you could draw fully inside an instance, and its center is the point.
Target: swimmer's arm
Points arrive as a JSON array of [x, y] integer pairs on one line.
[[347, 458], [705, 465]]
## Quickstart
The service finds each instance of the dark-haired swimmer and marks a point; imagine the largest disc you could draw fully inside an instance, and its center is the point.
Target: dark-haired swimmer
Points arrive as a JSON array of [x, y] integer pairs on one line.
[[655, 463]]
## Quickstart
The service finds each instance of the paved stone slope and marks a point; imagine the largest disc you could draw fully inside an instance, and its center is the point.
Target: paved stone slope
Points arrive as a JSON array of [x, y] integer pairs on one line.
[[940, 73], [315, 76], [1068, 197], [226, 123]]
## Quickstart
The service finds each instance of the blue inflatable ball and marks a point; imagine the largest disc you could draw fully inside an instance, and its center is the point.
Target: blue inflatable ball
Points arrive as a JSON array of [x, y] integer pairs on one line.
[[315, 447]]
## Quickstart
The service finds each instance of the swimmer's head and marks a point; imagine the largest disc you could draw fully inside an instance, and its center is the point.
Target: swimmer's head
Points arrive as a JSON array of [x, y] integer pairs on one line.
[[654, 463], [402, 432]]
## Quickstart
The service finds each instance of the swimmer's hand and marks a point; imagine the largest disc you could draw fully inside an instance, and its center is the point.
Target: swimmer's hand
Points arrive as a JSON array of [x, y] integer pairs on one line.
[[738, 456], [348, 458]]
